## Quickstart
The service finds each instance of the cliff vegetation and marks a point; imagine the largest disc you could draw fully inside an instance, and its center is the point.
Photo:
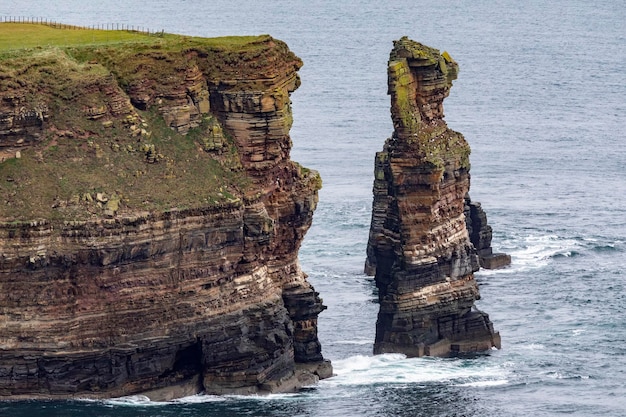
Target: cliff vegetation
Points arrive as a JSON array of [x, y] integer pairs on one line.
[[93, 122], [151, 217]]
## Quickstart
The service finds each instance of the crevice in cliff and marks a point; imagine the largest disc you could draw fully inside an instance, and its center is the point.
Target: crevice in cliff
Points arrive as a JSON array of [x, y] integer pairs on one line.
[[187, 364]]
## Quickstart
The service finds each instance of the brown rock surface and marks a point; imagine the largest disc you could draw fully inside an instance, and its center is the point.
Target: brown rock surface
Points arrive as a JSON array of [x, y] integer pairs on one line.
[[194, 284], [481, 234], [419, 249]]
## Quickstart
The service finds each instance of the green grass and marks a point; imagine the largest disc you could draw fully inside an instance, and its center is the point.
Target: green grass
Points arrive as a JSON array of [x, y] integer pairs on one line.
[[73, 157], [20, 36], [52, 181], [15, 36], [123, 52]]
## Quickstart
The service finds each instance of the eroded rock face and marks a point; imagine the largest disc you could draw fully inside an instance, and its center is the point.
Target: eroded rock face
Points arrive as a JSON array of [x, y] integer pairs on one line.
[[481, 234], [169, 302], [419, 248]]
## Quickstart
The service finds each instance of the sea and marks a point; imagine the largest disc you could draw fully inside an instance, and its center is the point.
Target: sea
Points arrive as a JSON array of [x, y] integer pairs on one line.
[[541, 98]]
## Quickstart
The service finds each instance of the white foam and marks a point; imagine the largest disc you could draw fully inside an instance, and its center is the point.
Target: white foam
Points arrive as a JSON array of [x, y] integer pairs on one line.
[[533, 346], [267, 397], [535, 251], [132, 400], [494, 383], [398, 369], [561, 375], [144, 401], [199, 399]]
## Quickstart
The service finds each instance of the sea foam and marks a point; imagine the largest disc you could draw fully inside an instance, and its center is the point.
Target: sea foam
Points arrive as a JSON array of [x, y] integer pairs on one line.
[[398, 369]]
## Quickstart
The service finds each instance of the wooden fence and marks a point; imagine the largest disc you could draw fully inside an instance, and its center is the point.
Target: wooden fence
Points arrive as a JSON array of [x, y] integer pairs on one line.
[[59, 25]]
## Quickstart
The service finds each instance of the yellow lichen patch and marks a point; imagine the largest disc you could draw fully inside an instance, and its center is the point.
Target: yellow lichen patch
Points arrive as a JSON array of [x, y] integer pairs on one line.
[[447, 56]]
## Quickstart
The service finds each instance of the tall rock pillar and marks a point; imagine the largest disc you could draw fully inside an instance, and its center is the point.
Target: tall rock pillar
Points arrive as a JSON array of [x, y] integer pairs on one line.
[[419, 249]]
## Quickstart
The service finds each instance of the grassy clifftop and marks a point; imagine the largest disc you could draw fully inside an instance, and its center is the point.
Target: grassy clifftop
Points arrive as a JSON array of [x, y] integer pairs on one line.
[[22, 36], [19, 36], [92, 122]]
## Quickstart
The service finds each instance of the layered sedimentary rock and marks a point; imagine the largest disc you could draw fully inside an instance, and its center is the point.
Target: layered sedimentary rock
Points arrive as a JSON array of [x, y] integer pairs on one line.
[[480, 234], [173, 268], [419, 248]]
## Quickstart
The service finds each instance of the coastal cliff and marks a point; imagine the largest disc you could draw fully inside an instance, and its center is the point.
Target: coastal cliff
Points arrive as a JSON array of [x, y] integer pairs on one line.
[[419, 247], [150, 220]]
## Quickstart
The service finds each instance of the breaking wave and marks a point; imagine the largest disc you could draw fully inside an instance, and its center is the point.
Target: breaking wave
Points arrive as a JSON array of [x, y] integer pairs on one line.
[[398, 369]]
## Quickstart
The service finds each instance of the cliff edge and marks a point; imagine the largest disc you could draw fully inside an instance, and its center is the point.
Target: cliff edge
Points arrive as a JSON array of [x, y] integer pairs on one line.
[[419, 248], [150, 218]]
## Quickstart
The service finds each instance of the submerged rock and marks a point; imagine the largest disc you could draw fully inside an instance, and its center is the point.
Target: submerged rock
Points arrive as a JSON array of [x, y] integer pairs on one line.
[[419, 248]]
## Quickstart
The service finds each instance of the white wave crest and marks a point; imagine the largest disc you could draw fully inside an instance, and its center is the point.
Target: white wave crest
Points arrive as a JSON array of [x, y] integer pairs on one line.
[[144, 401], [398, 369], [536, 251], [132, 400], [199, 399], [533, 346], [494, 383]]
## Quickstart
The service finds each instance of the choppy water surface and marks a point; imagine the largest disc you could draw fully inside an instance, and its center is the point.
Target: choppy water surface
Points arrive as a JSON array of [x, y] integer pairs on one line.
[[541, 99]]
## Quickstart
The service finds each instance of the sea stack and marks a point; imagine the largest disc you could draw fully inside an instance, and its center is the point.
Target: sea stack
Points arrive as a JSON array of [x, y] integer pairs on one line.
[[419, 248], [149, 231]]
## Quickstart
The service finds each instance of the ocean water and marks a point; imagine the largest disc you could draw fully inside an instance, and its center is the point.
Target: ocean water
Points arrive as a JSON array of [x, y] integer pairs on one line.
[[541, 98]]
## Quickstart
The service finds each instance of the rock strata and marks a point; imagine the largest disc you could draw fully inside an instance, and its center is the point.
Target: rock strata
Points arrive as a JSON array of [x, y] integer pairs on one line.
[[191, 285], [480, 234], [419, 248]]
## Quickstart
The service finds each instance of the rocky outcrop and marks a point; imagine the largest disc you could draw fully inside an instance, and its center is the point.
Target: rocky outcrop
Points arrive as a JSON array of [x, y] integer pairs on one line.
[[419, 248], [193, 284], [480, 234]]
